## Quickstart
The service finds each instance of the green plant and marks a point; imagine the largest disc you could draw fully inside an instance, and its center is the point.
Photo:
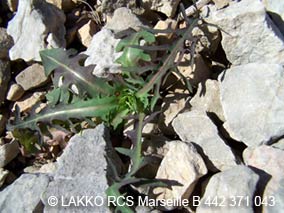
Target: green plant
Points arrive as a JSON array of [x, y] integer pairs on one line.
[[82, 96]]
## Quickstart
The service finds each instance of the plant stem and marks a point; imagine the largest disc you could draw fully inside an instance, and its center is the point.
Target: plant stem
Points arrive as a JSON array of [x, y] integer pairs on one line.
[[137, 146]]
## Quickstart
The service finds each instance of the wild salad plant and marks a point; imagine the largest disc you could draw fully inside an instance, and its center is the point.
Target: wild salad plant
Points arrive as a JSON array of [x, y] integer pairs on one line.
[[131, 94]]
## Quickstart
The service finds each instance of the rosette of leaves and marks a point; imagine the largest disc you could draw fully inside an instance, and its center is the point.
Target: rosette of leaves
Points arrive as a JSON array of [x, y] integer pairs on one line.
[[79, 95]]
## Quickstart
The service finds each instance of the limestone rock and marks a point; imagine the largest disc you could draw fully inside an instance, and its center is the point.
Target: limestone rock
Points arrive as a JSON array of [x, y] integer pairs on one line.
[[209, 39], [196, 127], [238, 181], [222, 3], [24, 194], [207, 98], [40, 22], [183, 164], [196, 74], [83, 164], [29, 100], [248, 34], [276, 10], [32, 77], [123, 19], [172, 105], [102, 53], [49, 168], [5, 75], [86, 32], [3, 175], [6, 42], [8, 152], [279, 144], [252, 100], [271, 161], [15, 92]]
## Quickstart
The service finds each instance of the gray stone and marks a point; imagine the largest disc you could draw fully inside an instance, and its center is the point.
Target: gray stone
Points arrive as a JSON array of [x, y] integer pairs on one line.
[[3, 175], [83, 171], [271, 161], [228, 185], [32, 77], [15, 92], [182, 163], [5, 75], [276, 10], [207, 98], [196, 127], [23, 195], [252, 100], [6, 42], [40, 22], [102, 53], [248, 34], [123, 19], [8, 152]]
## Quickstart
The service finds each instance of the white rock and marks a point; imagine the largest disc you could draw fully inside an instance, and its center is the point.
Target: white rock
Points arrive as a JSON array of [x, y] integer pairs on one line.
[[279, 144], [196, 127], [122, 19], [222, 3], [252, 100], [276, 9], [102, 53], [207, 98], [24, 194], [225, 186], [39, 22], [248, 34], [183, 164], [271, 161], [83, 170], [8, 152]]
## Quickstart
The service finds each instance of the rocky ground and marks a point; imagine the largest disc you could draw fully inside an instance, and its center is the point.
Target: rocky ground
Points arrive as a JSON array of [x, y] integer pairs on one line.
[[223, 143]]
